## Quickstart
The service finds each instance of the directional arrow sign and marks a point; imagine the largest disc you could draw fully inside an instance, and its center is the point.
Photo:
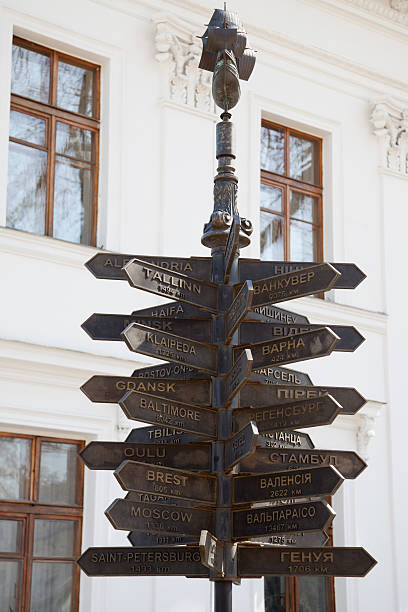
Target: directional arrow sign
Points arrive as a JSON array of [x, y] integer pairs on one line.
[[254, 331], [110, 326], [285, 439], [237, 376], [321, 481], [267, 314], [162, 435], [212, 552], [238, 310], [152, 409], [161, 345], [255, 561], [293, 284], [158, 518], [279, 376], [111, 389], [109, 455], [158, 280], [176, 310], [240, 445], [136, 476], [303, 413], [131, 561], [253, 269], [348, 463], [255, 394], [176, 371], [138, 538], [312, 344], [231, 247], [309, 516], [153, 498], [305, 538], [109, 265]]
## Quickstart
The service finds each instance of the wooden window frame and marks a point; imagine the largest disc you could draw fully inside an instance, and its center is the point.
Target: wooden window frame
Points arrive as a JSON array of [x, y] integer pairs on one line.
[[52, 113], [31, 509], [285, 183]]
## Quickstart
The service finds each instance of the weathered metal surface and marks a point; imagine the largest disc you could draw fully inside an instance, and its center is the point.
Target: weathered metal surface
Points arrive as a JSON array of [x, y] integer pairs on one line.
[[238, 310], [348, 463], [157, 410], [137, 476], [273, 375], [309, 516], [162, 435], [306, 538], [294, 284], [285, 439], [255, 394], [111, 389], [161, 345], [254, 331], [110, 326], [268, 314], [240, 445], [166, 283], [253, 269], [309, 345], [172, 310], [320, 481], [158, 518], [254, 561], [132, 561], [212, 552], [237, 376], [302, 413], [175, 371], [109, 455], [109, 265], [154, 498], [231, 247], [138, 538]]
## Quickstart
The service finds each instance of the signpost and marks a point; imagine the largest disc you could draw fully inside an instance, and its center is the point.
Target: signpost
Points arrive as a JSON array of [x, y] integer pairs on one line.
[[222, 411]]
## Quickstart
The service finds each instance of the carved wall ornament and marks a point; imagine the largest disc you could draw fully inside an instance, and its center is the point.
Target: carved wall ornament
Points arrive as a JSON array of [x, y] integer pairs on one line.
[[179, 50], [400, 5], [366, 430], [390, 125]]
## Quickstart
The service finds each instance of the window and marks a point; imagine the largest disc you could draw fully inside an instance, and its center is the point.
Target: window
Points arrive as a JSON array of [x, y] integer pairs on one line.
[[53, 144], [41, 484], [291, 195]]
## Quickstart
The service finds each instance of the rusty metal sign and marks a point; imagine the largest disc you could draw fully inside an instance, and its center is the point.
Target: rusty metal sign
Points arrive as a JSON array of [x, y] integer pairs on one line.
[[110, 389], [292, 518], [240, 445], [238, 310], [137, 476], [302, 413], [267, 314], [160, 434], [305, 538], [348, 463], [255, 394], [175, 371], [166, 283], [237, 376], [320, 481], [231, 247], [212, 550], [285, 439], [309, 345], [253, 269], [138, 538], [161, 345], [109, 455], [163, 411], [153, 498], [172, 310], [273, 375]]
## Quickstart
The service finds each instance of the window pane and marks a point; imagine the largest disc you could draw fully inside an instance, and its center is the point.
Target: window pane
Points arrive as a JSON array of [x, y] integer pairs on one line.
[[10, 581], [312, 594], [72, 201], [30, 74], [272, 150], [26, 127], [274, 589], [304, 159], [303, 242], [10, 536], [271, 197], [51, 587], [15, 461], [54, 538], [272, 237], [27, 188], [74, 142], [58, 473], [75, 88], [304, 207]]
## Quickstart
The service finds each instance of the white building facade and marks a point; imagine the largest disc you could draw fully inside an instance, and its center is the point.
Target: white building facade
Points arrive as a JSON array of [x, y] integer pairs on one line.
[[331, 69]]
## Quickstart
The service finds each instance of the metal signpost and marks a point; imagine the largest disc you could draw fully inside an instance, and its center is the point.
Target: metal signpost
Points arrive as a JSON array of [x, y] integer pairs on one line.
[[221, 413]]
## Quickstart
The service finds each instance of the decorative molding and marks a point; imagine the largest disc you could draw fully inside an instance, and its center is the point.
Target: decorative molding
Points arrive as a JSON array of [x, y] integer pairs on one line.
[[179, 50], [366, 429], [400, 5], [394, 11], [390, 125]]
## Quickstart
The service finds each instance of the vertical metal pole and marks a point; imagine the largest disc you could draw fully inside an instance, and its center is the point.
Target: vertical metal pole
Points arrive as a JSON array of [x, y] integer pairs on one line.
[[223, 596]]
